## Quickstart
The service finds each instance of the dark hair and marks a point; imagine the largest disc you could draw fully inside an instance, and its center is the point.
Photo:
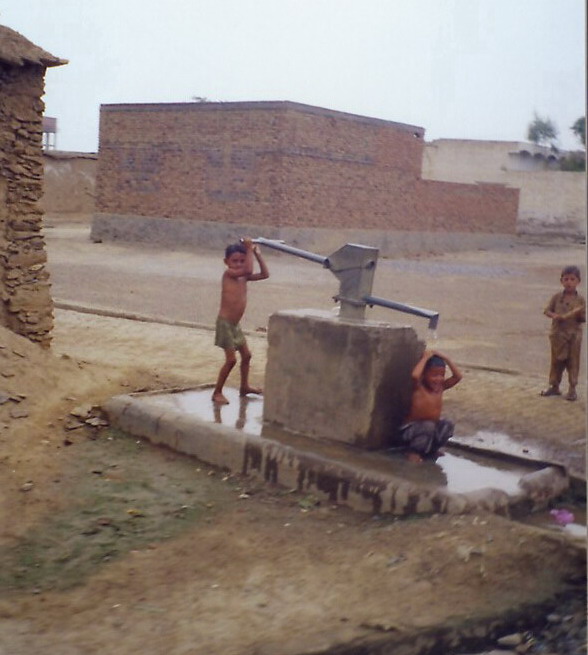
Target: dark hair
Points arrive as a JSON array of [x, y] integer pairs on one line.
[[571, 270], [233, 248], [435, 360]]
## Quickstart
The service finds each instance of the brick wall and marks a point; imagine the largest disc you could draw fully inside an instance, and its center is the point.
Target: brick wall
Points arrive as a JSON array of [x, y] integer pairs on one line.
[[26, 306], [285, 165]]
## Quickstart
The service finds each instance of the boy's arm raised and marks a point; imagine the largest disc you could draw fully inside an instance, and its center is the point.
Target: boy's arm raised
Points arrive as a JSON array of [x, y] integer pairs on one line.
[[456, 374], [417, 371], [248, 267], [263, 269]]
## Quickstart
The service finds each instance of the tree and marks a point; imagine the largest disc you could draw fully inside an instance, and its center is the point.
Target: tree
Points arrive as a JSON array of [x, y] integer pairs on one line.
[[541, 130], [579, 129]]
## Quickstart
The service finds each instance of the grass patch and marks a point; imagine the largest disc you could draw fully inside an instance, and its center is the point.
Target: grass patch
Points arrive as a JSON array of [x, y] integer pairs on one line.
[[122, 495]]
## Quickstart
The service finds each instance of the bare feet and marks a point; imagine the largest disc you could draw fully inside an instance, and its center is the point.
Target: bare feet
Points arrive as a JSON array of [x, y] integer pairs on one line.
[[552, 391], [219, 399], [246, 390], [411, 456], [571, 395]]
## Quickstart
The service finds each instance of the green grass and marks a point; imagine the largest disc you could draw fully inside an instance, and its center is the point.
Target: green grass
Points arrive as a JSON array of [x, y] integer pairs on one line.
[[122, 495]]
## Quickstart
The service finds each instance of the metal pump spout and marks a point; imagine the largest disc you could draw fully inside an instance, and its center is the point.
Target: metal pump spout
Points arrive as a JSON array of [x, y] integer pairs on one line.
[[354, 265]]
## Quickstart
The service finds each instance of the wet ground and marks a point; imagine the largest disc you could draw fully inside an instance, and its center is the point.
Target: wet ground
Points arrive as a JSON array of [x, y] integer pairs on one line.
[[457, 471]]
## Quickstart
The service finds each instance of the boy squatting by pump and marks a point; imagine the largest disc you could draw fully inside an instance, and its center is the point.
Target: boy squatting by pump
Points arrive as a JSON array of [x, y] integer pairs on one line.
[[424, 431], [229, 336]]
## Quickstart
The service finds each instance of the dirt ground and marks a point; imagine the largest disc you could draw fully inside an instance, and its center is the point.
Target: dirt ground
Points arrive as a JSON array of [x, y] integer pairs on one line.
[[110, 545]]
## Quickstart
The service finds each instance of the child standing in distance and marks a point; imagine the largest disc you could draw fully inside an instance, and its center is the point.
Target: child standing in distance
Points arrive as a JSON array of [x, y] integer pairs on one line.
[[567, 311], [424, 431], [229, 336]]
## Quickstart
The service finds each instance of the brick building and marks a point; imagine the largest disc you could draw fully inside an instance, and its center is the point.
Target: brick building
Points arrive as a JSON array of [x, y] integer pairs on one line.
[[26, 306], [278, 166]]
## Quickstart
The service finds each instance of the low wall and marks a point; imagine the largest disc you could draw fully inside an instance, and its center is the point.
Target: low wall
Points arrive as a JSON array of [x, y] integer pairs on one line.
[[69, 182], [189, 234], [551, 202]]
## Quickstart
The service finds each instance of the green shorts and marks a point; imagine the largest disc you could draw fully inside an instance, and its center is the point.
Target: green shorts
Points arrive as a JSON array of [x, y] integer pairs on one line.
[[228, 335]]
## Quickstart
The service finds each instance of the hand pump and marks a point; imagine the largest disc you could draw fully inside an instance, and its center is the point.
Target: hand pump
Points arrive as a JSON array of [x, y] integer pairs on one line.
[[354, 266]]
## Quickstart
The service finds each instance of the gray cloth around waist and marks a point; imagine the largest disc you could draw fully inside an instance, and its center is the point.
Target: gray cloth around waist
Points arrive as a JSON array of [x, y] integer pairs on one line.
[[426, 437]]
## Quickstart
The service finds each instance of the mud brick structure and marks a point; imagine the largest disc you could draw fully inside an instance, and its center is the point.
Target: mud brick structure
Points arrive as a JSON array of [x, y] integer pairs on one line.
[[282, 165], [69, 182], [26, 307]]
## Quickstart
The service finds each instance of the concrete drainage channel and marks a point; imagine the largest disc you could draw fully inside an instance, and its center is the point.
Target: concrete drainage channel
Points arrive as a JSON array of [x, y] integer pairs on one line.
[[233, 437]]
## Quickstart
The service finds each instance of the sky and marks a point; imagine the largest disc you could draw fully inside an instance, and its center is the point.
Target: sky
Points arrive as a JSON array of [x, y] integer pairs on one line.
[[461, 69]]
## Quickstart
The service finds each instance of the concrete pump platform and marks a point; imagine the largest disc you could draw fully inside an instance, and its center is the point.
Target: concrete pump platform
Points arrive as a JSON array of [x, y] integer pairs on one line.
[[234, 438]]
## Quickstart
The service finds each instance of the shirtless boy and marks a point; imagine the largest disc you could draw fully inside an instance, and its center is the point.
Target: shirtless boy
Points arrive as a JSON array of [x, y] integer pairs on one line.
[[229, 336], [424, 431]]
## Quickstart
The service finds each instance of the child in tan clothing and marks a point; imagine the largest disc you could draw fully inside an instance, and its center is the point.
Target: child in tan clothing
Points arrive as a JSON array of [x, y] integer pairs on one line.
[[567, 311]]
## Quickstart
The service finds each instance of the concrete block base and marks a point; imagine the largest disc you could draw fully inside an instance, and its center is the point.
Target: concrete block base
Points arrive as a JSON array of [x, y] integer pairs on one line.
[[339, 380]]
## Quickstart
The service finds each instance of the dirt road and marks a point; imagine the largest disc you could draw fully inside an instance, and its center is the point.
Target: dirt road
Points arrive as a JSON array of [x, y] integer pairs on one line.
[[490, 302], [109, 545]]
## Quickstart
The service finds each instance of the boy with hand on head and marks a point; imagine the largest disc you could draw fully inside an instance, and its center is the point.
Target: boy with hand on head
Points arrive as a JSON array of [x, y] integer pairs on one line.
[[424, 431], [229, 336], [567, 311]]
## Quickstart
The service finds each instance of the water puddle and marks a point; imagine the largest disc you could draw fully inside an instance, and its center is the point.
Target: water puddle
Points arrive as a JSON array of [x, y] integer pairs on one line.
[[459, 472], [467, 473], [502, 443], [241, 413]]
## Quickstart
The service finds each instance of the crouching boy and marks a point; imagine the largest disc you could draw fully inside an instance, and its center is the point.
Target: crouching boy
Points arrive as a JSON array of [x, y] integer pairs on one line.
[[424, 431]]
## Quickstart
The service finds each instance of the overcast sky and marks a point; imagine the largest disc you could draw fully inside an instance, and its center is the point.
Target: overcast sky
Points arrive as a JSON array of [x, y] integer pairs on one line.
[[462, 69]]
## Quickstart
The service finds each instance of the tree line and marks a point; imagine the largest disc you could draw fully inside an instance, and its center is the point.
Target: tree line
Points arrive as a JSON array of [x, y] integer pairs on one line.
[[543, 131]]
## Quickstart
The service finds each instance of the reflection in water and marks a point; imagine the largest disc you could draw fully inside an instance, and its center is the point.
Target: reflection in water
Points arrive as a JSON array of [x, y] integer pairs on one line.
[[217, 413], [242, 413], [240, 422], [229, 413], [467, 473]]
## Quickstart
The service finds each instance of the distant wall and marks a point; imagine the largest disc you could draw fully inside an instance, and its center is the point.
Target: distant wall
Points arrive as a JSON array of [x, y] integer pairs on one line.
[[282, 165], [552, 202], [471, 161], [190, 234], [69, 182]]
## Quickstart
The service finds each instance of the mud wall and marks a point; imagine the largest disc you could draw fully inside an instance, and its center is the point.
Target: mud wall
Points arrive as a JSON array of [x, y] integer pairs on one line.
[[552, 202], [26, 306], [282, 165], [69, 182]]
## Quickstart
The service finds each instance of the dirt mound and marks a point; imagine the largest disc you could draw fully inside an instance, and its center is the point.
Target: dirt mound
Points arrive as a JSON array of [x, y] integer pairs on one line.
[[38, 390]]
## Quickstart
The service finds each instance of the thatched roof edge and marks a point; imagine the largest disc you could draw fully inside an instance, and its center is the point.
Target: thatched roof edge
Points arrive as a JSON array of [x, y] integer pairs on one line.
[[17, 50]]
